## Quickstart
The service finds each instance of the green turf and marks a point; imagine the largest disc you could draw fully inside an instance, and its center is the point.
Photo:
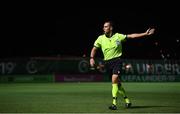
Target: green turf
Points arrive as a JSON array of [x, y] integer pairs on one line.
[[87, 97]]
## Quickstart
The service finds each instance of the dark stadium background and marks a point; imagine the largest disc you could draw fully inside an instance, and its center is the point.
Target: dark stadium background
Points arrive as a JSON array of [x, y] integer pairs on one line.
[[36, 34], [71, 31]]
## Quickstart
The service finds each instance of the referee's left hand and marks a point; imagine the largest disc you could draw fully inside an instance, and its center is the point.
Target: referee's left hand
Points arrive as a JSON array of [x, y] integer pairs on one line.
[[150, 31]]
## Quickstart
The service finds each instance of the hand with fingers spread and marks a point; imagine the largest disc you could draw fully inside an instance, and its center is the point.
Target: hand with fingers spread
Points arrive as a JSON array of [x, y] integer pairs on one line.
[[150, 31]]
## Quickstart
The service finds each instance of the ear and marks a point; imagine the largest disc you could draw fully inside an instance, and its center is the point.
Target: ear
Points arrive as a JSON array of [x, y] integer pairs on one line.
[[111, 28]]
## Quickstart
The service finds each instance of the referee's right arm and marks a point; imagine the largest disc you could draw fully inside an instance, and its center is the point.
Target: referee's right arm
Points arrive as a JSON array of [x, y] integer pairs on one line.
[[92, 55]]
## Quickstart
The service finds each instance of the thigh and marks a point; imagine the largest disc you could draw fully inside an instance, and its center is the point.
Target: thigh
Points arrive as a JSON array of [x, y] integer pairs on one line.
[[108, 67], [117, 67]]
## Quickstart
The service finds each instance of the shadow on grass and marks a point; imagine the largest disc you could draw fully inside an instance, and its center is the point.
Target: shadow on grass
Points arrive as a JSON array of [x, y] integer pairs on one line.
[[134, 107]]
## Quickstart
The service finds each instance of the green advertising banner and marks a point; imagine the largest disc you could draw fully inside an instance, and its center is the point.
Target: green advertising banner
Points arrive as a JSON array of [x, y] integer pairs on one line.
[[26, 78], [150, 78], [132, 70], [151, 67]]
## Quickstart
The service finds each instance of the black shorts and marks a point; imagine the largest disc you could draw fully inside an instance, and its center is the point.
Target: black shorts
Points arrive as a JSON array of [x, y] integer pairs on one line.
[[113, 66]]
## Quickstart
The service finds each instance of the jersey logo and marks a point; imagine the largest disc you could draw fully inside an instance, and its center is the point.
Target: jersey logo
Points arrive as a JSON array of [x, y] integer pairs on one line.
[[118, 42]]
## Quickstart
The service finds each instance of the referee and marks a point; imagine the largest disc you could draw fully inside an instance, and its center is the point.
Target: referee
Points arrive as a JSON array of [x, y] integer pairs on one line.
[[111, 45]]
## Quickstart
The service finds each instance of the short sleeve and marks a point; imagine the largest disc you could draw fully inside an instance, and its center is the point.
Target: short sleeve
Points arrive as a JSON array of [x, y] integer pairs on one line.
[[122, 37], [97, 43]]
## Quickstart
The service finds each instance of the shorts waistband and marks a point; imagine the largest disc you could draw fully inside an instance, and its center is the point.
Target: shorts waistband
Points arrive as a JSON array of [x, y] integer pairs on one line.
[[113, 59]]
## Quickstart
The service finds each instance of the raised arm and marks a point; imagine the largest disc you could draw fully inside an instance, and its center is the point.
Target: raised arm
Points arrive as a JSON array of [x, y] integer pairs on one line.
[[150, 31]]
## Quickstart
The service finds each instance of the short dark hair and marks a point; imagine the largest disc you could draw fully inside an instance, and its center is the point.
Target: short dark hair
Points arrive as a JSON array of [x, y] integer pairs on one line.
[[110, 22]]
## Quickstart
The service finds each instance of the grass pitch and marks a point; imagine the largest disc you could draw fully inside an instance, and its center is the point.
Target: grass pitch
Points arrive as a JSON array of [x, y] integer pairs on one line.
[[87, 98]]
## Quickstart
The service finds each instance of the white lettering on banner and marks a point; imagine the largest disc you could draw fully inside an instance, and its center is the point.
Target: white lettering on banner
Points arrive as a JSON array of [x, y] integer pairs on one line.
[[7, 68], [146, 78], [159, 69], [176, 69], [168, 68], [31, 67], [144, 68], [141, 68], [150, 68]]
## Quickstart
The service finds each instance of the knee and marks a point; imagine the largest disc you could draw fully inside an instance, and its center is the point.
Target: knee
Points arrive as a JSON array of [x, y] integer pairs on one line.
[[114, 78]]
